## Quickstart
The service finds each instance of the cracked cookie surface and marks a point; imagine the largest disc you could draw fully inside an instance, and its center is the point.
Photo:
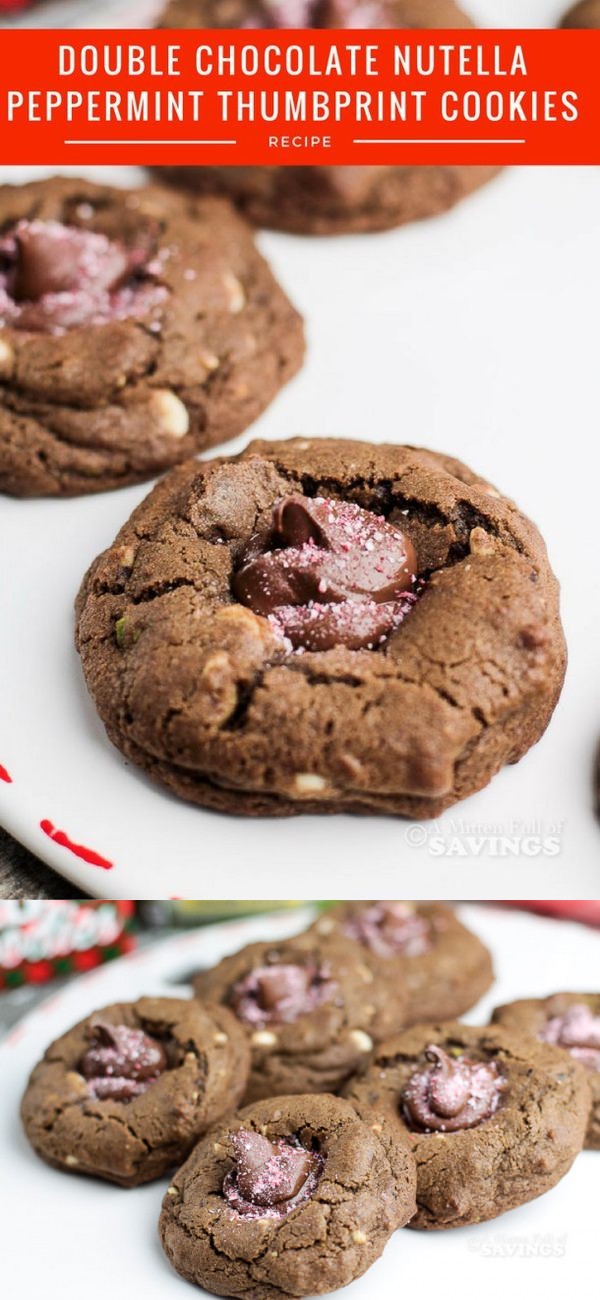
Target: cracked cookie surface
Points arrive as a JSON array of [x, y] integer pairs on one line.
[[211, 700], [529, 1135], [164, 334], [126, 1093], [326, 200], [423, 947], [365, 1189], [310, 1009], [575, 1033]]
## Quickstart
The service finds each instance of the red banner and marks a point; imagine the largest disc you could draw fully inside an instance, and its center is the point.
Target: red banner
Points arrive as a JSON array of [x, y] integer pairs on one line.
[[298, 97]]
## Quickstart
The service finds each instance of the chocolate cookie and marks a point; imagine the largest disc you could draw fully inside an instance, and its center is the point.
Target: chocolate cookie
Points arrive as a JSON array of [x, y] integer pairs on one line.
[[323, 626], [494, 1118], [444, 968], [324, 200], [584, 14], [310, 1009], [570, 1021], [126, 1093], [136, 328], [291, 1197]]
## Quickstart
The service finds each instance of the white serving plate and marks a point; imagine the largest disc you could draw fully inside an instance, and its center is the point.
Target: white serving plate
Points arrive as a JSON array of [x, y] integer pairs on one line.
[[474, 334], [91, 1239]]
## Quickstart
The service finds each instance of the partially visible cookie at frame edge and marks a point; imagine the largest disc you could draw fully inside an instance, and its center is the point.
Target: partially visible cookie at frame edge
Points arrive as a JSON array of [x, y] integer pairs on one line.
[[572, 1022], [325, 200], [585, 15], [213, 700], [443, 966], [125, 1094], [293, 1196], [310, 1009], [495, 1119], [137, 327]]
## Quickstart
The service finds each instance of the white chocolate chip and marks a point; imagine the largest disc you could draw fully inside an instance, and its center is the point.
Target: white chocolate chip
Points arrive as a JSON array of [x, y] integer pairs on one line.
[[361, 1040], [218, 1149], [359, 1237], [7, 357], [309, 783], [480, 543], [209, 360], [264, 1038], [325, 926], [366, 975], [171, 412], [303, 446], [71, 1160], [195, 1096], [171, 1191], [377, 1128], [220, 1039], [235, 293]]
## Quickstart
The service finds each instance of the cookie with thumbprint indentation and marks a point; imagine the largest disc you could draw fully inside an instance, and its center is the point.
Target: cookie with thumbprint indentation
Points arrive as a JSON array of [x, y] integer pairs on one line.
[[570, 1021], [136, 328], [127, 1092], [324, 200], [310, 1009], [323, 626], [494, 1118], [443, 966], [292, 1196]]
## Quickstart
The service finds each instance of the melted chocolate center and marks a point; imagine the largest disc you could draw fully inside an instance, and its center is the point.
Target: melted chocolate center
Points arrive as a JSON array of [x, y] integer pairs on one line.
[[578, 1030], [121, 1063], [451, 1094], [278, 994], [387, 928], [55, 278], [328, 573], [270, 1178], [318, 13]]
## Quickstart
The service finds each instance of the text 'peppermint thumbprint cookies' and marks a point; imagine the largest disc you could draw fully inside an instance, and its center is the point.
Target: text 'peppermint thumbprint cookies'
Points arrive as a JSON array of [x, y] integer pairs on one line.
[[494, 1118], [570, 1021], [136, 328], [323, 200], [126, 1093], [310, 1009], [293, 1196], [323, 626]]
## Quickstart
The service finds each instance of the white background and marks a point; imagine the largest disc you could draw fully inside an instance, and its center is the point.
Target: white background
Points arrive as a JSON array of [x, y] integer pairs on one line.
[[70, 1238], [474, 334]]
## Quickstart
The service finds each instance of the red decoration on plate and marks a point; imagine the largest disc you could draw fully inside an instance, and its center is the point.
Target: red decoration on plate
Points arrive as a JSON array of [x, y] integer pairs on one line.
[[586, 910], [87, 855], [5, 776]]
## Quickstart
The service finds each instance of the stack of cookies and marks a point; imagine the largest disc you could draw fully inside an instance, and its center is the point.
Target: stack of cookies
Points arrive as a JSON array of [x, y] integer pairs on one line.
[[366, 1106]]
